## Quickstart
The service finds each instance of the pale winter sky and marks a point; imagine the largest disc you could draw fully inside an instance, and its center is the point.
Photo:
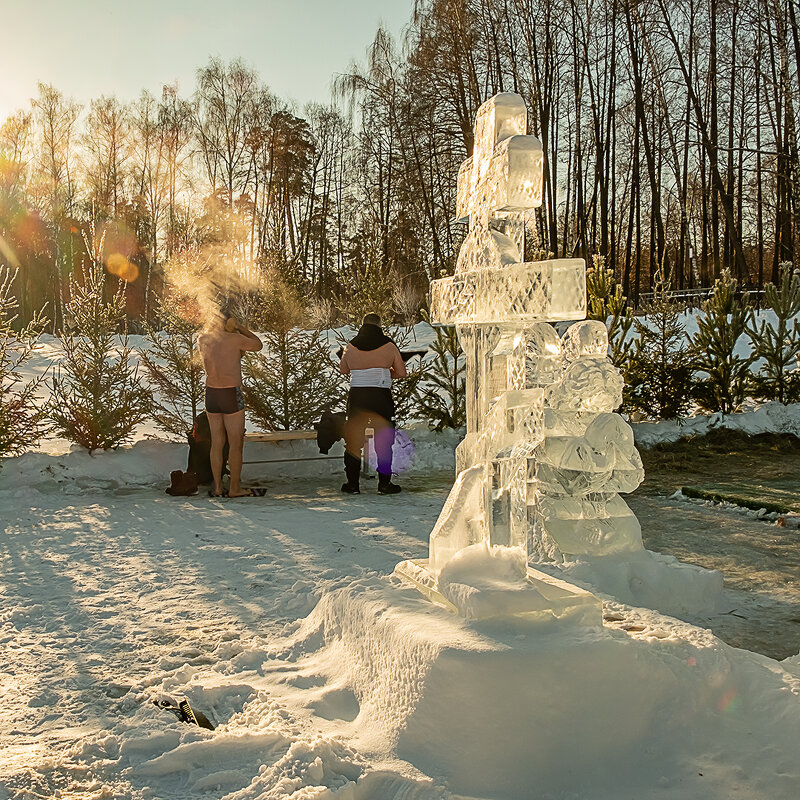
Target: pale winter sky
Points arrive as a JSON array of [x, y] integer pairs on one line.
[[86, 48]]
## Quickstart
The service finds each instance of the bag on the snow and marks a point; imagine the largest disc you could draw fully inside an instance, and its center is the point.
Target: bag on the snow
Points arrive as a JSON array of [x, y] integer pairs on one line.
[[182, 484]]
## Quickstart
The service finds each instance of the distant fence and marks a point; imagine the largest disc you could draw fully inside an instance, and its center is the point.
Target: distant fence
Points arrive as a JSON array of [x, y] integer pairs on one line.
[[694, 298]]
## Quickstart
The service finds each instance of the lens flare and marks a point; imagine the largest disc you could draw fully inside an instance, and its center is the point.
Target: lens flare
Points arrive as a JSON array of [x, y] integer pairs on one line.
[[7, 252], [117, 264], [729, 701]]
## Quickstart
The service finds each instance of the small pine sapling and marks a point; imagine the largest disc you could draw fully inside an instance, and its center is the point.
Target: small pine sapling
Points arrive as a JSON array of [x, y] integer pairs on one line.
[[660, 370], [713, 349], [293, 379], [608, 304], [778, 345], [98, 399], [174, 368], [442, 397], [405, 391], [22, 418]]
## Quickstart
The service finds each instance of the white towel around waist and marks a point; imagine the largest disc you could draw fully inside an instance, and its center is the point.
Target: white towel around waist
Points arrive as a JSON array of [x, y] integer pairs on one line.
[[374, 376]]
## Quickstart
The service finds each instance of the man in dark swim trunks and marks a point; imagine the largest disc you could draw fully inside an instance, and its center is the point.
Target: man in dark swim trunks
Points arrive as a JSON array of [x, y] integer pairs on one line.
[[221, 345]]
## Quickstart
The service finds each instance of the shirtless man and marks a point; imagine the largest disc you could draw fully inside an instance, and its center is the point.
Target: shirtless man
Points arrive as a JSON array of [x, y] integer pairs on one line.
[[221, 345], [371, 360]]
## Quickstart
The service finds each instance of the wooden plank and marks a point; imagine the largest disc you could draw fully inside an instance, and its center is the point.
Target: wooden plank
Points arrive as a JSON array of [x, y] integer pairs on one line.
[[279, 436], [288, 436]]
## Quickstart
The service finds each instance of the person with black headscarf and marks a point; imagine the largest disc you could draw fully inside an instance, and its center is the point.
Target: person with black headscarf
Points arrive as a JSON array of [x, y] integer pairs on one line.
[[372, 360]]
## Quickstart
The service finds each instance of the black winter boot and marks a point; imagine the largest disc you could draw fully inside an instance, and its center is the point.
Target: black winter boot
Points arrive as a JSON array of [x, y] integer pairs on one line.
[[352, 471], [385, 485]]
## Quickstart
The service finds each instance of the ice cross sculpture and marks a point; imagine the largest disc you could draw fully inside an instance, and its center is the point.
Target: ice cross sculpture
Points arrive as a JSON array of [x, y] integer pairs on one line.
[[501, 306], [491, 299]]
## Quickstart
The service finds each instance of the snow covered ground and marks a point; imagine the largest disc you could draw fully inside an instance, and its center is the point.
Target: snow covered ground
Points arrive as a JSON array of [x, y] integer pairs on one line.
[[111, 598], [114, 595]]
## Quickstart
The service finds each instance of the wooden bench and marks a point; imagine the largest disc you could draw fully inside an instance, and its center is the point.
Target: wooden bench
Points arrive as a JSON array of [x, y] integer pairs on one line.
[[293, 436]]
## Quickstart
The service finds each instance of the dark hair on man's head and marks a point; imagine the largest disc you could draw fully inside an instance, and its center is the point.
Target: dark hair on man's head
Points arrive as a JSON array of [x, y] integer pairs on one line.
[[371, 319]]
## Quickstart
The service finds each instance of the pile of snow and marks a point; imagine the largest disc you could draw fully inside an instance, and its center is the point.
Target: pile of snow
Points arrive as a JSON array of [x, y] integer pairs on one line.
[[146, 463], [768, 418], [642, 702], [646, 579]]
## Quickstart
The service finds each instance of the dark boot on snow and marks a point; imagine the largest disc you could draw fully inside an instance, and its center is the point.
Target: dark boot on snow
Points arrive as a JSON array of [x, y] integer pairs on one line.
[[385, 485], [352, 471]]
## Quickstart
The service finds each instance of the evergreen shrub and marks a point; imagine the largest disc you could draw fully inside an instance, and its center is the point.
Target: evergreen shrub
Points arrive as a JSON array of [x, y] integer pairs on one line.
[[778, 344], [174, 368], [441, 396], [608, 304], [23, 420], [723, 322], [659, 376], [98, 398], [293, 379]]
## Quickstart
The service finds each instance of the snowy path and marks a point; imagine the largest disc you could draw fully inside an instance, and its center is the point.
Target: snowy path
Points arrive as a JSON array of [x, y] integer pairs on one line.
[[104, 593]]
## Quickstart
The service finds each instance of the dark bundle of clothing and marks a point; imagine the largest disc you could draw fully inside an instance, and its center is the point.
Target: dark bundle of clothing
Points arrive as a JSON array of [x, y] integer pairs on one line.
[[330, 429], [182, 484], [370, 337], [199, 438]]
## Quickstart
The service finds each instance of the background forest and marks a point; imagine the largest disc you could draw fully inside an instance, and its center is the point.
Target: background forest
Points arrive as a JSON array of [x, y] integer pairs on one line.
[[669, 130]]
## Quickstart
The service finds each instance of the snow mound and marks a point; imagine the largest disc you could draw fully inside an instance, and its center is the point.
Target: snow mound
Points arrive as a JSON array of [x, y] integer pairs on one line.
[[148, 463], [768, 418], [645, 701], [647, 579], [144, 464]]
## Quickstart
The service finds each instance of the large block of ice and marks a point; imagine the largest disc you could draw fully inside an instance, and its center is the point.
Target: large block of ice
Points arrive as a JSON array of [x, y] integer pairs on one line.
[[514, 177], [543, 356], [589, 384], [464, 519], [595, 537], [514, 426], [486, 249], [596, 524], [522, 293], [500, 117], [587, 338], [504, 172]]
